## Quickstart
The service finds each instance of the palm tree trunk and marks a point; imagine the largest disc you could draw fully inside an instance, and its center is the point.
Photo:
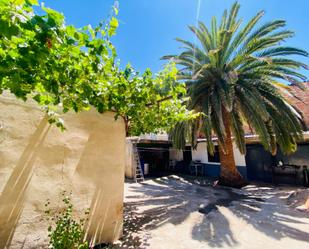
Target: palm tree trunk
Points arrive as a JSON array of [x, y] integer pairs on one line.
[[229, 175]]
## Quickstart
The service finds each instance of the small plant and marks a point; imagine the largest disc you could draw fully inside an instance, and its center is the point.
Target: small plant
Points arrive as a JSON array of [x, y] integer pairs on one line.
[[65, 232]]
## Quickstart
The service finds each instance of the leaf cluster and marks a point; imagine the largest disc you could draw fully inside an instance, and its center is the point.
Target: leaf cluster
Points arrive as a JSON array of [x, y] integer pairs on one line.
[[65, 232], [57, 65], [64, 68]]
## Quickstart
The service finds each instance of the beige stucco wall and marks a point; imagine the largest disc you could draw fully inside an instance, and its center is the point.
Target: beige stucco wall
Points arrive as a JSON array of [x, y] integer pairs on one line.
[[130, 165], [38, 161]]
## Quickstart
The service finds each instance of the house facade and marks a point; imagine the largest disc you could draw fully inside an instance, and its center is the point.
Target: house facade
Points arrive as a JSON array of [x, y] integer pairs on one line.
[[157, 152]]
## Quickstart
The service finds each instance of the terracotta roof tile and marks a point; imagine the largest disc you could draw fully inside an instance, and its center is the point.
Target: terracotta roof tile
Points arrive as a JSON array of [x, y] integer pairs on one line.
[[299, 99]]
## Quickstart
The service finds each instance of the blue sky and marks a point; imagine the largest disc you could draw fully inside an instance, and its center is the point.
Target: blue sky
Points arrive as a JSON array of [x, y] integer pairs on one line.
[[148, 28]]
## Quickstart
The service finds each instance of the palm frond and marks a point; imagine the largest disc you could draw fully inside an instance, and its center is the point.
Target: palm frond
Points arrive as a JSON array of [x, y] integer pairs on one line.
[[233, 72]]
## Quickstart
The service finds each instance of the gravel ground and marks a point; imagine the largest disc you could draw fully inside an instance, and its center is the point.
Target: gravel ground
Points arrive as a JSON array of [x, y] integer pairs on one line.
[[173, 212]]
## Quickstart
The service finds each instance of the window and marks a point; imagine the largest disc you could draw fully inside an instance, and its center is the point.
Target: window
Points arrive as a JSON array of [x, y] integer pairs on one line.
[[215, 158]]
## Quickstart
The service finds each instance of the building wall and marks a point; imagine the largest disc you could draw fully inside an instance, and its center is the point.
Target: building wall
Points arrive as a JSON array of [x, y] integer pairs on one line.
[[38, 162], [201, 154], [175, 154], [130, 166], [239, 158], [129, 159], [262, 166], [299, 157]]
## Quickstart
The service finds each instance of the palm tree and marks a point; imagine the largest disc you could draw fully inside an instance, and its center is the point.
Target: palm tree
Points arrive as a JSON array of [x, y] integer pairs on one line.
[[231, 77]]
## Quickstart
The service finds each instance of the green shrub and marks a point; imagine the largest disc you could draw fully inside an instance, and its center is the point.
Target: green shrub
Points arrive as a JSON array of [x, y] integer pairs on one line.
[[64, 232]]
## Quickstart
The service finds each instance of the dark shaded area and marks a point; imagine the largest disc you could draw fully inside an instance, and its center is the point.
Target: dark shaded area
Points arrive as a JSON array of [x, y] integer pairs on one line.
[[156, 156], [187, 155], [228, 200], [215, 157], [280, 169]]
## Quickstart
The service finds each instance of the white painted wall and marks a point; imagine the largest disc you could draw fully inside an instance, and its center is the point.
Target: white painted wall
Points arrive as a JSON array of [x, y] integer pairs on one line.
[[153, 136], [239, 158], [200, 153]]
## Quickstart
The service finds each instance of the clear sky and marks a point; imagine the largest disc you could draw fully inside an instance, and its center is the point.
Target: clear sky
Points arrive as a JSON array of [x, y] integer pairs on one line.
[[148, 28]]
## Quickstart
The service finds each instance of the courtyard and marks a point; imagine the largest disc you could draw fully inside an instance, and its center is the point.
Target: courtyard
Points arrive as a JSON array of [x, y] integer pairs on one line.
[[175, 212], [154, 124]]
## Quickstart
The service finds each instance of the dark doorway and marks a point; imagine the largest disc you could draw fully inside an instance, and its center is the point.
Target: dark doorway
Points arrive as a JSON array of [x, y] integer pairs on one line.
[[156, 156], [258, 163], [187, 155]]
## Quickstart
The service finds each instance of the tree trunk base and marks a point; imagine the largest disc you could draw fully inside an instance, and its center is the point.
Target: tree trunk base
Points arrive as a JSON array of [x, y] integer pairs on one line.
[[232, 179]]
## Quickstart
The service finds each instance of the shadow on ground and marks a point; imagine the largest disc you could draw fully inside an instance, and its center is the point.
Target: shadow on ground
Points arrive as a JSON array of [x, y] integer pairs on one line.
[[172, 199], [258, 207]]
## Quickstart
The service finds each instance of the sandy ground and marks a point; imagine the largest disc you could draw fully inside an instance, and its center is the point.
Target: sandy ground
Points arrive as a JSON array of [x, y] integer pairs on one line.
[[172, 212]]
